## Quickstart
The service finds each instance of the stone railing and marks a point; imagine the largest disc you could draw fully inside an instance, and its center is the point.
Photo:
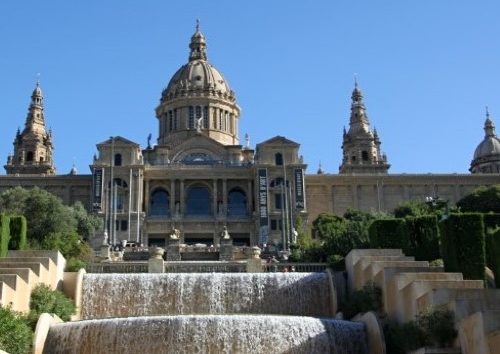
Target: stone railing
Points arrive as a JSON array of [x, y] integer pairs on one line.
[[295, 267], [118, 267], [205, 267]]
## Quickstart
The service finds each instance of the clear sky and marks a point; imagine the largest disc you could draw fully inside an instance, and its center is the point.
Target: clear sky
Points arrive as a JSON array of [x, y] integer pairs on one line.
[[427, 70]]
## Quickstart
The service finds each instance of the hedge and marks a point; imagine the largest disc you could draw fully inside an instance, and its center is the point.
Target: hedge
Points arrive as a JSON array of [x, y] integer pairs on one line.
[[18, 229], [4, 234], [463, 244], [491, 221], [389, 233], [423, 234], [493, 254]]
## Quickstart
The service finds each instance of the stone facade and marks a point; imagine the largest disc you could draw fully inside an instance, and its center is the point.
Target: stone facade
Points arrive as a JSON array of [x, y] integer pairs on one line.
[[199, 180]]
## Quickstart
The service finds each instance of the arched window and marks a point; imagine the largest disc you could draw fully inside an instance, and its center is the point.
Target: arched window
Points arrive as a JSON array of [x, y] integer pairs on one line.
[[198, 201], [159, 204], [29, 156], [278, 159], [191, 118], [118, 159], [364, 155], [236, 203], [119, 193], [205, 117]]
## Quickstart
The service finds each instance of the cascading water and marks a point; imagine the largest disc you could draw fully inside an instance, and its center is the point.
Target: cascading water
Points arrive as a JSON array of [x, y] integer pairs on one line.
[[207, 313]]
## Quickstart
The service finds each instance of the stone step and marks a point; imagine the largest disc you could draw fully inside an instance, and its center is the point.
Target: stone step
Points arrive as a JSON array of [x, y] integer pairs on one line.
[[25, 273], [375, 270], [50, 278], [55, 256], [7, 294], [393, 301], [20, 291], [41, 273], [354, 256], [359, 279], [462, 301], [418, 287]]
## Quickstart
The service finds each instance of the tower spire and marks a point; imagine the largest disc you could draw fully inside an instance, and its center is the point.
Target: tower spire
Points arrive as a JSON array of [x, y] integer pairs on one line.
[[198, 45]]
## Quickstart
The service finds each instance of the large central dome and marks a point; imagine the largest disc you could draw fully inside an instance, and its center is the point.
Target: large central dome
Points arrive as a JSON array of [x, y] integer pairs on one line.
[[198, 99]]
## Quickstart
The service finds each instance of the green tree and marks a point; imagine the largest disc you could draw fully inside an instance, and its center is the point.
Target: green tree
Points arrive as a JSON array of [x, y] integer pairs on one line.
[[86, 223], [413, 208], [482, 200]]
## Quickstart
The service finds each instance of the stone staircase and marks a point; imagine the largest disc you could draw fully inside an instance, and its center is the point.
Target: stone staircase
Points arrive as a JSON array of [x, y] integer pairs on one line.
[[21, 271], [409, 287]]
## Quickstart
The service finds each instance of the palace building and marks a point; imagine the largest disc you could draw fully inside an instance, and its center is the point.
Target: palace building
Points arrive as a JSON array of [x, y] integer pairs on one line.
[[199, 178]]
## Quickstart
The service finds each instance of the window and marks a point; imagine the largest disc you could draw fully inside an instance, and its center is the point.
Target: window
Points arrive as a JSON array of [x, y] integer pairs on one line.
[[29, 156], [118, 159], [275, 224], [170, 120], [41, 158], [198, 201], [124, 225], [198, 113], [205, 117], [191, 118], [160, 203], [353, 159], [236, 202], [220, 119], [175, 119], [278, 201], [364, 155], [278, 159]]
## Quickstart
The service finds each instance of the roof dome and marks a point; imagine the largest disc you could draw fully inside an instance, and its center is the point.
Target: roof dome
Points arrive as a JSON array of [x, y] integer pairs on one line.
[[490, 144], [198, 76]]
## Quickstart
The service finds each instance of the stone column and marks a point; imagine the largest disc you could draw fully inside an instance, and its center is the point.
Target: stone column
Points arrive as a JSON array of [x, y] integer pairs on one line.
[[172, 198], [146, 196], [173, 249], [224, 197], [181, 197], [226, 246], [254, 263], [249, 198], [215, 199]]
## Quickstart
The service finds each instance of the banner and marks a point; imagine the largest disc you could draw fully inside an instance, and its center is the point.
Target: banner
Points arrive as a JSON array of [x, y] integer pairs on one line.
[[97, 189], [299, 189], [263, 206]]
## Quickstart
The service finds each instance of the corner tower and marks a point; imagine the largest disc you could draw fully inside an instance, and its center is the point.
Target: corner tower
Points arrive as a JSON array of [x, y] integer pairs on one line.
[[361, 145], [33, 146], [197, 100]]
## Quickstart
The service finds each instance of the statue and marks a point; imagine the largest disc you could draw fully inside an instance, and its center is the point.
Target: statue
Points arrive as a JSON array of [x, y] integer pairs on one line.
[[175, 234], [199, 124], [149, 141], [225, 234]]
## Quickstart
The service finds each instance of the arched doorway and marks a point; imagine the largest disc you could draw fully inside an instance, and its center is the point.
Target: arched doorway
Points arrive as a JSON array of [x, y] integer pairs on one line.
[[159, 204]]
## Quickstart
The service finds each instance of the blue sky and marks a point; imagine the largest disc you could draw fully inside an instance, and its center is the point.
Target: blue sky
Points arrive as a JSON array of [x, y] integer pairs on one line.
[[427, 70]]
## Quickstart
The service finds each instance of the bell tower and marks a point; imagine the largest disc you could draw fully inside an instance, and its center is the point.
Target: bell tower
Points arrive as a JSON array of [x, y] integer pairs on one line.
[[33, 146], [361, 145]]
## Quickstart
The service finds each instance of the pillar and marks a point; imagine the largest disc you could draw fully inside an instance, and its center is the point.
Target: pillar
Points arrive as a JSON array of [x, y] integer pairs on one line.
[[172, 198]]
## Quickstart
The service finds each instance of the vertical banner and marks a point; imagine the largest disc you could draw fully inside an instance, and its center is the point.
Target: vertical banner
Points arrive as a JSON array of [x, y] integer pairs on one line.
[[97, 189], [263, 206], [299, 189]]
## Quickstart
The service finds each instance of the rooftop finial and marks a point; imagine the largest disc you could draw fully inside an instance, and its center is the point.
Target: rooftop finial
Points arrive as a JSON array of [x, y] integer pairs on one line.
[[487, 112], [356, 80], [38, 79], [197, 25]]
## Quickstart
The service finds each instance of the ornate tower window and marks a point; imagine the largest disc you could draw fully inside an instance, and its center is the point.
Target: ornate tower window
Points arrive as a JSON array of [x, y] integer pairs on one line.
[[364, 155], [29, 156], [205, 117], [191, 118], [175, 119], [170, 120], [278, 159], [118, 159]]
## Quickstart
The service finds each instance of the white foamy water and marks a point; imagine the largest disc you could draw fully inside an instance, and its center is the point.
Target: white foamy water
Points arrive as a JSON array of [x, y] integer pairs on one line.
[[126, 295], [210, 334]]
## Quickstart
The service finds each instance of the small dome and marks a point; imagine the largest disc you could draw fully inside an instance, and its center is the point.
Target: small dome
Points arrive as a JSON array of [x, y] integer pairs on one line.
[[490, 144]]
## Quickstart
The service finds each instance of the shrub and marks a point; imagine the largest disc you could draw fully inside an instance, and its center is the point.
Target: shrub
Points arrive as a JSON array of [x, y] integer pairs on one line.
[[493, 247], [423, 233], [401, 339], [390, 233], [439, 327], [483, 200], [75, 264], [44, 299], [4, 234], [18, 230], [360, 301], [15, 334], [463, 244], [491, 221]]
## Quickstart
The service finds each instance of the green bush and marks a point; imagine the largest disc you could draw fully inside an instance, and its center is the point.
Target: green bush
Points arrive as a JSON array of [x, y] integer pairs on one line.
[[493, 247], [4, 234], [491, 221], [439, 327], [423, 233], [360, 301], [75, 264], [44, 299], [482, 200], [15, 334], [390, 233], [403, 338], [463, 244], [18, 230]]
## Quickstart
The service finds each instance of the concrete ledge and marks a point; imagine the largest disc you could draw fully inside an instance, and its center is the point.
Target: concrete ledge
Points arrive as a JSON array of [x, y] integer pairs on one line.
[[20, 292], [333, 293], [42, 330], [72, 288], [374, 332]]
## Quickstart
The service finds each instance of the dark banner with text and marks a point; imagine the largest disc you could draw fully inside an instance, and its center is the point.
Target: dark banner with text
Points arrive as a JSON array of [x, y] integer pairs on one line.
[[299, 189], [263, 206], [97, 189]]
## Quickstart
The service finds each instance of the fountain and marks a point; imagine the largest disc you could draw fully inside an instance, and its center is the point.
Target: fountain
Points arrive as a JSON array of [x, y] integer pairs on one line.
[[207, 313]]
